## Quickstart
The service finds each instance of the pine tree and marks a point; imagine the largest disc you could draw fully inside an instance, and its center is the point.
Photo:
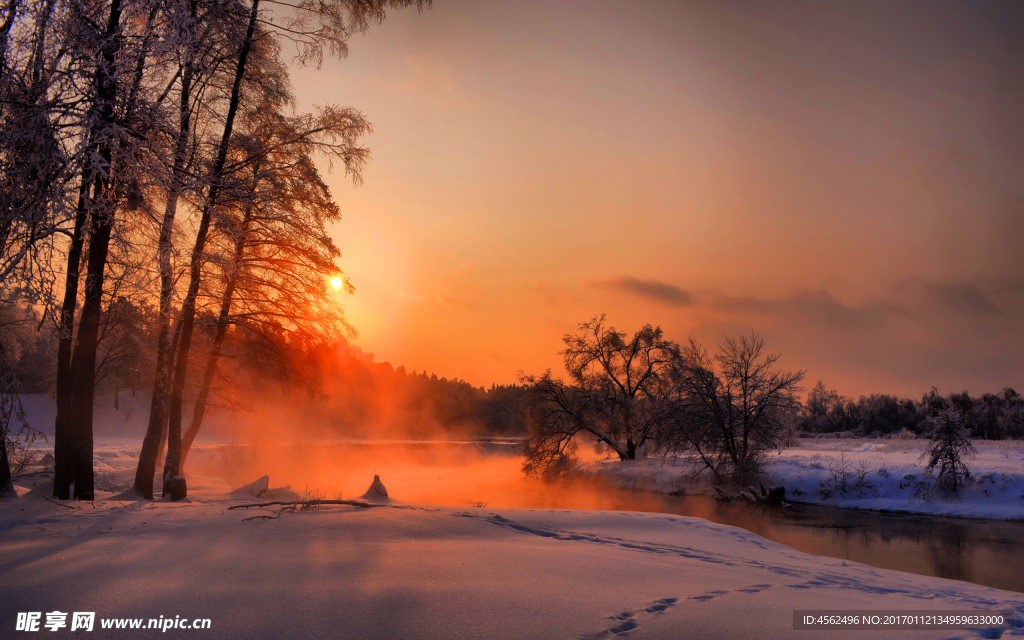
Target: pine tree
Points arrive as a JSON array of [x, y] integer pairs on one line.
[[950, 444]]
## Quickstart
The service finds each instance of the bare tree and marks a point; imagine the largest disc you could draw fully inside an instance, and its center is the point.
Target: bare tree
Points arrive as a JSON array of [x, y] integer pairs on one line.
[[16, 435], [950, 444], [90, 145], [731, 408], [312, 25], [277, 253], [35, 167], [615, 395], [206, 34], [117, 155]]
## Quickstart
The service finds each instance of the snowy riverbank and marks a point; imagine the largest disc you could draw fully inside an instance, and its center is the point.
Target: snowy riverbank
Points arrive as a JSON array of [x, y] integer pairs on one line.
[[886, 475], [408, 571]]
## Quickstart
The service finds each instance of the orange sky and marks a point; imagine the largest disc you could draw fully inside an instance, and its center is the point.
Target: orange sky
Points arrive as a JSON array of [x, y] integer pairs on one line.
[[845, 178]]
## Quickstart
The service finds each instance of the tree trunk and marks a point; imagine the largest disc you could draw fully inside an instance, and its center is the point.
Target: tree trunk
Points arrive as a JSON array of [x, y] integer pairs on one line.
[[188, 306], [101, 219], [223, 320], [630, 449], [6, 481], [199, 411], [161, 451], [38, 53], [64, 470], [83, 361], [9, 389], [153, 442]]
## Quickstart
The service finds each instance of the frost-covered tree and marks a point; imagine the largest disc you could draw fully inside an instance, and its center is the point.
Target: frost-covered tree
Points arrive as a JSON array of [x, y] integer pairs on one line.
[[11, 413], [205, 37], [950, 444], [271, 253], [117, 42], [111, 113], [16, 436], [312, 26], [37, 124]]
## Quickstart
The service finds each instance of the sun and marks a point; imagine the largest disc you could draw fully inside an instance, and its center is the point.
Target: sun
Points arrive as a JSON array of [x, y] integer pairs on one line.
[[336, 282]]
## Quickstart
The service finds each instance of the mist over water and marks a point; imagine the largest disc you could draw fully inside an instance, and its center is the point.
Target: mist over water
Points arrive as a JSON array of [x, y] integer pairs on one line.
[[469, 473], [453, 473]]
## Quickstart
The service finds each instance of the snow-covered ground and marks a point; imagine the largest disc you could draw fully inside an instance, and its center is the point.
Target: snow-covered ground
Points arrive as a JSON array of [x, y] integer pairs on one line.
[[886, 475], [422, 571], [414, 571]]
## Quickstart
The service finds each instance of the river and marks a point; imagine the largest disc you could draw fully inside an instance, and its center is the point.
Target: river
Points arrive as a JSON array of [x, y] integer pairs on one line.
[[468, 474]]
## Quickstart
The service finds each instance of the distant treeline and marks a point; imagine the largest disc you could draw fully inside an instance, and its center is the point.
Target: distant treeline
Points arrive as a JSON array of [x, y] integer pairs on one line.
[[357, 395], [990, 416], [334, 382], [344, 388]]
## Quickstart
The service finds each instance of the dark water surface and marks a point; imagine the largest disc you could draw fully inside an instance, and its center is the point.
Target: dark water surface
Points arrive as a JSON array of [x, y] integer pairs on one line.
[[986, 552]]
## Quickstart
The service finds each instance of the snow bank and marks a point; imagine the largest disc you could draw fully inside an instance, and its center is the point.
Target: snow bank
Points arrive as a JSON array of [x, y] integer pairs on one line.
[[40, 491], [890, 476], [376, 493], [254, 489], [885, 475], [427, 572], [260, 488]]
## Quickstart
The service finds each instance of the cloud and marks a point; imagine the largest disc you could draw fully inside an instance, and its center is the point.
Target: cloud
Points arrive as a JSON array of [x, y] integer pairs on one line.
[[819, 306], [965, 298], [960, 298], [650, 289]]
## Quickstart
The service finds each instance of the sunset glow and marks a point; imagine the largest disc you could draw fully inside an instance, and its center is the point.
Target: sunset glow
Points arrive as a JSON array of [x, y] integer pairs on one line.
[[433, 319], [841, 176]]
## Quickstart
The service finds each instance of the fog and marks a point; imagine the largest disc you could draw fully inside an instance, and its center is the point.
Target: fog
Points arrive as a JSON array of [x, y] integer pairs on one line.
[[454, 472]]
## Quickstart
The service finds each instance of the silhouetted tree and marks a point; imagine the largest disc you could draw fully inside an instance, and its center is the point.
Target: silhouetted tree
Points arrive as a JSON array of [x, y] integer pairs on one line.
[[311, 25], [825, 411], [114, 44], [16, 435], [733, 407], [11, 412], [616, 388], [277, 252], [950, 444]]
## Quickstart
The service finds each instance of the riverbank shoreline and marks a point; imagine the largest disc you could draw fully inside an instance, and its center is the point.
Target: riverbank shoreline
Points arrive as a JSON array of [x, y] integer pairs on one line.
[[884, 476], [422, 572]]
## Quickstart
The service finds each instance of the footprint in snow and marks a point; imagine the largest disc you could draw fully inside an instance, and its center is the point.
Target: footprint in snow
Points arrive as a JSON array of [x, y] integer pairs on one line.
[[711, 595], [629, 620]]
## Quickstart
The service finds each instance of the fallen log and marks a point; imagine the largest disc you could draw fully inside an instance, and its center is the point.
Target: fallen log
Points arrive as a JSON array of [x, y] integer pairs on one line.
[[66, 506], [306, 503]]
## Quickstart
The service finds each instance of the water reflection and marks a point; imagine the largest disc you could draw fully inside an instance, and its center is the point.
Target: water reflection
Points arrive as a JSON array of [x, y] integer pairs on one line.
[[463, 474], [981, 551]]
